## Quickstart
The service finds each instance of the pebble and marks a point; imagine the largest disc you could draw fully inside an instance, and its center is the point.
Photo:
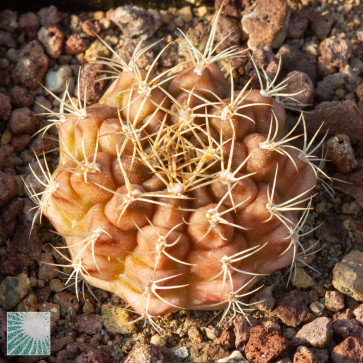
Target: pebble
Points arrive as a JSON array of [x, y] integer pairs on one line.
[[67, 302], [76, 44], [19, 142], [335, 51], [348, 327], [334, 300], [264, 346], [186, 14], [96, 50], [12, 290], [266, 25], [195, 335], [349, 350], [7, 39], [88, 323], [145, 353], [81, 352], [301, 87], [8, 20], [317, 308], [31, 66], [12, 55], [359, 92], [231, 7], [90, 83], [91, 27], [46, 270], [156, 339], [227, 339], [5, 106], [325, 88], [20, 97], [49, 16], [298, 23], [29, 22], [52, 39], [22, 121], [29, 303], [117, 320], [310, 355], [58, 80], [340, 118], [59, 343], [348, 275], [136, 23], [358, 313], [53, 309], [340, 153], [318, 333], [302, 279], [292, 308], [321, 23]]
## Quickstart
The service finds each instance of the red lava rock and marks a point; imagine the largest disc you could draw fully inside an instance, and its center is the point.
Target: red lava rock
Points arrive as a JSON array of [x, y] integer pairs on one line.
[[318, 333], [46, 271], [298, 23], [7, 188], [335, 51], [227, 29], [5, 107], [359, 92], [293, 307], [352, 183], [349, 350], [22, 121], [14, 265], [57, 344], [232, 7], [88, 323], [145, 353], [301, 85], [7, 39], [293, 59], [242, 330], [20, 97], [266, 25], [12, 210], [321, 23], [227, 339], [136, 23], [67, 302], [77, 352], [8, 20], [52, 39], [49, 16], [90, 83], [43, 294], [334, 300], [30, 23], [339, 151], [264, 346], [31, 66], [348, 327], [42, 144], [346, 314], [91, 27], [76, 44], [19, 142], [358, 312], [339, 118]]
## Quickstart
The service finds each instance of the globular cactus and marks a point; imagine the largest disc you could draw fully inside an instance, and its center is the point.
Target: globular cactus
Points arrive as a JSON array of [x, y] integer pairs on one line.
[[177, 191]]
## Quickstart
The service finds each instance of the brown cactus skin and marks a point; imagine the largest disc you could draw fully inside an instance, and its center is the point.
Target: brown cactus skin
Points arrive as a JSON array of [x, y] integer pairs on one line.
[[175, 195]]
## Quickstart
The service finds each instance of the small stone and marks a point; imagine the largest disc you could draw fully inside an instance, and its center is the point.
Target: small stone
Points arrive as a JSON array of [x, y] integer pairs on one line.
[[76, 44], [264, 346], [53, 309], [302, 279], [266, 25], [19, 142], [31, 66], [318, 333], [158, 340], [12, 55], [59, 343], [49, 16], [7, 39], [20, 97], [29, 303], [52, 39], [293, 309], [317, 308], [57, 80], [22, 121], [232, 7], [340, 118], [136, 23], [68, 302], [12, 290], [96, 50], [42, 144], [202, 11], [117, 320], [340, 153], [5, 106], [348, 327], [334, 301], [358, 312], [46, 270], [263, 299], [194, 335], [145, 353], [321, 23], [348, 275], [349, 350], [298, 23], [30, 23], [310, 355], [8, 187], [359, 92], [82, 352], [325, 88], [186, 14], [91, 83], [88, 323], [335, 51], [91, 27], [8, 20], [226, 339]]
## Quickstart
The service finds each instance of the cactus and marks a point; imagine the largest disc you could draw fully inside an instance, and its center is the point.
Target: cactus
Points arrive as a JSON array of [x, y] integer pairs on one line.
[[177, 191]]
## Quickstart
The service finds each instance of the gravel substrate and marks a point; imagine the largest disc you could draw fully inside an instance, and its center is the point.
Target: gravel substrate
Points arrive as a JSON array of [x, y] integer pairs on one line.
[[316, 318]]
